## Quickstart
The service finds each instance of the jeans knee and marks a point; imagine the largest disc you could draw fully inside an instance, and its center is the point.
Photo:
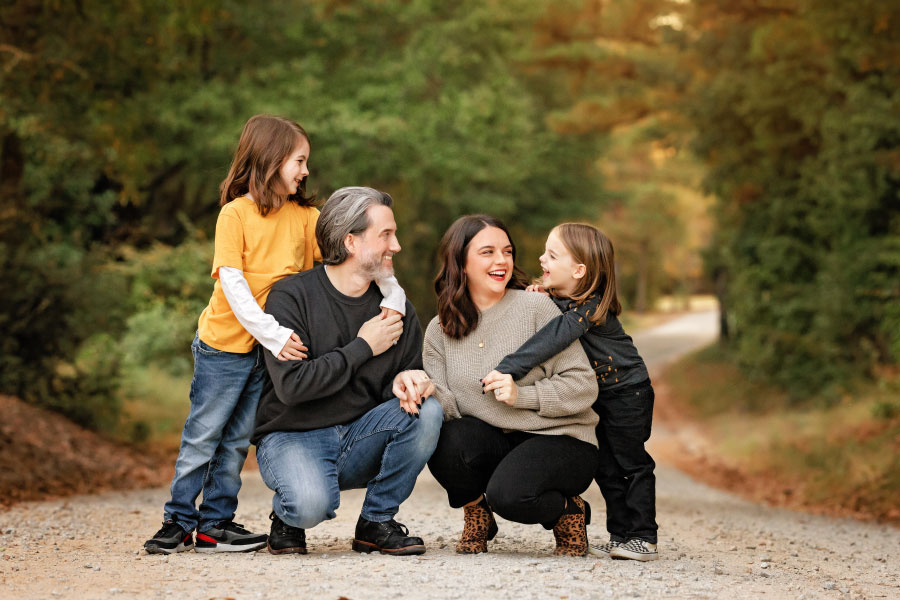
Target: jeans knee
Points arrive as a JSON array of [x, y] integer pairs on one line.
[[307, 509], [431, 417], [428, 425]]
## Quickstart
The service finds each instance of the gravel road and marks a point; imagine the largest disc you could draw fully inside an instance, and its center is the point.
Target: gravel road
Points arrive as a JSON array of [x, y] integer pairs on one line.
[[712, 545]]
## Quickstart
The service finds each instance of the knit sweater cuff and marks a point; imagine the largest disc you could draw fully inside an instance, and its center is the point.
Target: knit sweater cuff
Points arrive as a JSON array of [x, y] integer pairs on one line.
[[527, 398]]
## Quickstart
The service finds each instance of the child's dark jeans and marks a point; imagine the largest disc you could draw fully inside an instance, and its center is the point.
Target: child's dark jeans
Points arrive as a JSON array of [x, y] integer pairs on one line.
[[625, 474]]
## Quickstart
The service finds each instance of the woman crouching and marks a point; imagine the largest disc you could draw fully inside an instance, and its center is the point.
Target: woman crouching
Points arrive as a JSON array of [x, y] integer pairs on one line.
[[525, 451]]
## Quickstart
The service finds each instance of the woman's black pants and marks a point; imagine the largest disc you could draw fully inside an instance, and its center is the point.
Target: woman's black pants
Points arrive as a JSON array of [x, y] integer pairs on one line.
[[526, 477]]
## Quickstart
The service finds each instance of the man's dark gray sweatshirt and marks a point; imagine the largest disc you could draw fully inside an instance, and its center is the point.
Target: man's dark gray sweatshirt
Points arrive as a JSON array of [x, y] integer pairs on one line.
[[340, 380], [610, 350]]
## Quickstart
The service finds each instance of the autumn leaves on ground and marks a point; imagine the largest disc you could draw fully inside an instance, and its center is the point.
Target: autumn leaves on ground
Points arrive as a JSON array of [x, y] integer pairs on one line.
[[42, 454], [838, 456]]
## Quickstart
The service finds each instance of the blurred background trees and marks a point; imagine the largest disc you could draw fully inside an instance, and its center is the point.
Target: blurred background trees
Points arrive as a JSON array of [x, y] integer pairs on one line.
[[118, 120], [796, 107]]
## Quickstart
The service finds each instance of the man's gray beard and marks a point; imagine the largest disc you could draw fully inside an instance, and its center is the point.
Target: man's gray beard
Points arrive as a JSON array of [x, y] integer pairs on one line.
[[375, 270]]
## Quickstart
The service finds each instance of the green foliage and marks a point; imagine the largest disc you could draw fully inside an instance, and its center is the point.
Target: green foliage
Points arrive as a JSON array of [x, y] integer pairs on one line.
[[620, 73], [169, 288], [886, 410], [113, 147], [56, 300], [798, 115]]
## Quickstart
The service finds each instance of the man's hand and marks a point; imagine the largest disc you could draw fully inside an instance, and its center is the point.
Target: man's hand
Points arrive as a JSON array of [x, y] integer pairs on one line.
[[380, 333], [503, 386], [293, 349], [412, 388]]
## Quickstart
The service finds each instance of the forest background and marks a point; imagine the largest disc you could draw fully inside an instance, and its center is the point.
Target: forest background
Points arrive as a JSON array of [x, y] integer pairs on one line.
[[748, 148]]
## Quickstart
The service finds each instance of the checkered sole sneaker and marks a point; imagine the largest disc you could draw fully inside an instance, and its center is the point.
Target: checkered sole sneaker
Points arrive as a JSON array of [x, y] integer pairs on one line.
[[635, 549], [603, 549], [229, 536]]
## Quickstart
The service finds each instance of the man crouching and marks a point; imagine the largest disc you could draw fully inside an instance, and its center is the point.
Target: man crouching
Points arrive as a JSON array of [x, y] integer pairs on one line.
[[357, 412]]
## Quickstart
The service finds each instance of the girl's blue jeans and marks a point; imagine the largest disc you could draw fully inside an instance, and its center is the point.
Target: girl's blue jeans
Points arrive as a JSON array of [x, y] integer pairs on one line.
[[225, 391]]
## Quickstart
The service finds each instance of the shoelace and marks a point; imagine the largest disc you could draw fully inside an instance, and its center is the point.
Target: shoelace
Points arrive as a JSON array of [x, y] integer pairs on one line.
[[399, 527], [285, 530], [168, 529], [233, 527]]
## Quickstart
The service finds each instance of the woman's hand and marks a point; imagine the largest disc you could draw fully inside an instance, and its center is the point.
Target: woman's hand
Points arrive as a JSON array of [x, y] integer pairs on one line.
[[412, 388], [502, 385], [293, 349], [537, 288]]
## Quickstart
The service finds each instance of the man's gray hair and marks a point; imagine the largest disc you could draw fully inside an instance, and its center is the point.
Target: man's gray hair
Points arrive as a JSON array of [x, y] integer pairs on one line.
[[345, 212]]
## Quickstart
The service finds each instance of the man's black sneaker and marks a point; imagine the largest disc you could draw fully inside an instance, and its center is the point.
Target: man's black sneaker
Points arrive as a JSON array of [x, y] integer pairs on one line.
[[229, 536], [169, 539], [389, 537], [284, 539]]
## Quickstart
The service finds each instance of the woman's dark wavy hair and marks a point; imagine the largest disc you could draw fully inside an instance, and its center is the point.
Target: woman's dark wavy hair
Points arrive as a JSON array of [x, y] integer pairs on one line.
[[457, 313]]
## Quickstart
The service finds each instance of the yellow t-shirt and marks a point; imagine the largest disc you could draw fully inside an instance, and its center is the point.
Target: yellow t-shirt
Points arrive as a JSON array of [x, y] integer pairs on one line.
[[266, 249]]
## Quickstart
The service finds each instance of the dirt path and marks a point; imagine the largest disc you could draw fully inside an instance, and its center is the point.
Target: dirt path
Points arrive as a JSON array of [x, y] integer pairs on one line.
[[713, 545]]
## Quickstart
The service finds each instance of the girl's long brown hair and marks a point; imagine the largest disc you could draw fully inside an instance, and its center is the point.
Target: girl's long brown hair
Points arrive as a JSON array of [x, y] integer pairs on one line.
[[590, 247], [266, 142], [457, 313]]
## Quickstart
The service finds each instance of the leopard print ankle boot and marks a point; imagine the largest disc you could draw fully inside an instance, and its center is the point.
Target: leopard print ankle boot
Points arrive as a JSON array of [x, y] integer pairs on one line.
[[479, 527], [571, 529]]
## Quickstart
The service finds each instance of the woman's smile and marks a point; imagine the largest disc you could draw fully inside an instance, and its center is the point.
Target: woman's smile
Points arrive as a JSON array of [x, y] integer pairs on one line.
[[489, 253]]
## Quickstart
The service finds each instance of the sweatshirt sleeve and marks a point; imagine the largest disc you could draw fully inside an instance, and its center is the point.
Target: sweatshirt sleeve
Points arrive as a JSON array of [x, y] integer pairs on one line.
[[569, 386], [299, 381], [435, 361]]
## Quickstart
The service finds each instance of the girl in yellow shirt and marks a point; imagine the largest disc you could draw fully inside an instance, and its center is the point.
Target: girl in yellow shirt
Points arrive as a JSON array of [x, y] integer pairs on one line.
[[265, 232]]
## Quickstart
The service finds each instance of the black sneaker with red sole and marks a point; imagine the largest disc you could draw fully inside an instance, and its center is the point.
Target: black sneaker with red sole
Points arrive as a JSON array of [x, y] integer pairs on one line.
[[229, 536], [171, 538]]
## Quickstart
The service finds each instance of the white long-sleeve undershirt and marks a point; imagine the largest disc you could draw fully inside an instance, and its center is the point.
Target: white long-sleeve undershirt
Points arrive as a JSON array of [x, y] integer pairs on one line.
[[263, 327]]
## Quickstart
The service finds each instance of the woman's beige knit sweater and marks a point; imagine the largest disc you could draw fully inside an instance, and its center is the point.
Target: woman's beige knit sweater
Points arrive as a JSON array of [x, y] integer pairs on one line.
[[554, 398]]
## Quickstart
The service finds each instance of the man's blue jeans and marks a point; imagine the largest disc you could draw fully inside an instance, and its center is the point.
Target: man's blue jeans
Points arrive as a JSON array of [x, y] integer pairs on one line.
[[224, 394], [384, 450]]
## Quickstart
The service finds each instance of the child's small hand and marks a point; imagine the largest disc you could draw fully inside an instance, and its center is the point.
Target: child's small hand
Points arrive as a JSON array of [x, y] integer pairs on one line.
[[293, 349], [502, 385], [537, 288], [386, 312]]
